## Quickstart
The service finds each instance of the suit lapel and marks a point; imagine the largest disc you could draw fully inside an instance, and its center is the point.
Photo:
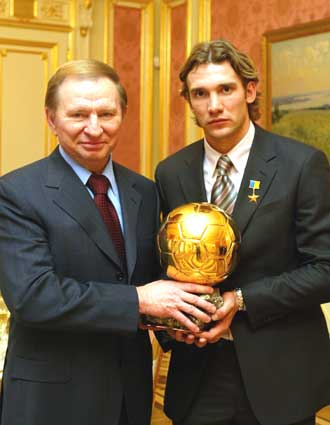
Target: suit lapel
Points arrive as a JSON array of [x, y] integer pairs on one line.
[[261, 166], [130, 204], [191, 176], [71, 196]]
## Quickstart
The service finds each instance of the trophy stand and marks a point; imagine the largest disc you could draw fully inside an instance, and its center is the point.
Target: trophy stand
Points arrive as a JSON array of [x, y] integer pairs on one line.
[[159, 324]]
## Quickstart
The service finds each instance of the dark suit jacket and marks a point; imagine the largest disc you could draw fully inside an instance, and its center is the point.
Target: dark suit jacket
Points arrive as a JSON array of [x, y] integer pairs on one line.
[[282, 342], [74, 346]]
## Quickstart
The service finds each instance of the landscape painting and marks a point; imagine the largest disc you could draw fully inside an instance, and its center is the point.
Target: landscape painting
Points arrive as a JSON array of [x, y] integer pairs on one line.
[[299, 86]]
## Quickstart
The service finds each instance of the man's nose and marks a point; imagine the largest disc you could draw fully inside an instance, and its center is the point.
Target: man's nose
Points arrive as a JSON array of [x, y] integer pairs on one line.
[[215, 103], [94, 126]]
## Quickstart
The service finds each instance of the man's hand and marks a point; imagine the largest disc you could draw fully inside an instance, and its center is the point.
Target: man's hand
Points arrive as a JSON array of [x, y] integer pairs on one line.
[[167, 298], [223, 318]]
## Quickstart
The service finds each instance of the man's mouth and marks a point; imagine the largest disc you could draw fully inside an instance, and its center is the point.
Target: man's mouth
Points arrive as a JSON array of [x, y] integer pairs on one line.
[[218, 121]]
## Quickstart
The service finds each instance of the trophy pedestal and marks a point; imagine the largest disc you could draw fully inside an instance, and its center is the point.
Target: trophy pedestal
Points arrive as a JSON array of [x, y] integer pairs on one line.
[[158, 324]]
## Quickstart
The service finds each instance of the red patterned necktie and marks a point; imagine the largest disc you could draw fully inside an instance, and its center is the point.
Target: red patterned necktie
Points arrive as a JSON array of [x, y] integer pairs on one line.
[[99, 185], [223, 192]]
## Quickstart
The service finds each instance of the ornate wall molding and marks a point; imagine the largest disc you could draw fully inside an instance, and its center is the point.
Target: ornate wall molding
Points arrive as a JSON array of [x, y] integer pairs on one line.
[[48, 54], [204, 20], [85, 16]]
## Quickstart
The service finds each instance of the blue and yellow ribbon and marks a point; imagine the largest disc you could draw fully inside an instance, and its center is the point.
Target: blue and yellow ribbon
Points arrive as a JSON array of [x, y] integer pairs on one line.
[[254, 185]]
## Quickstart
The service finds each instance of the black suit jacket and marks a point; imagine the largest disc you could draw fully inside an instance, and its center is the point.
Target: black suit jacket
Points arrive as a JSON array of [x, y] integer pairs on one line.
[[282, 342], [74, 349]]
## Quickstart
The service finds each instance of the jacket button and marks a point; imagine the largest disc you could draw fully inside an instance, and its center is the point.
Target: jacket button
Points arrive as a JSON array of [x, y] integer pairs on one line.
[[120, 276]]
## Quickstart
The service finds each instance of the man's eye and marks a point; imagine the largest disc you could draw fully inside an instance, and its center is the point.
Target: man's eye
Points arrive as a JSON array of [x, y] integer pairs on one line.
[[227, 90], [106, 115], [77, 115], [198, 94]]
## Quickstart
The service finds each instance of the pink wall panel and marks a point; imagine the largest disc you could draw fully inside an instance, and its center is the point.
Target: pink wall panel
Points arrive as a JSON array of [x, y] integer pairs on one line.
[[127, 35], [178, 56], [244, 22]]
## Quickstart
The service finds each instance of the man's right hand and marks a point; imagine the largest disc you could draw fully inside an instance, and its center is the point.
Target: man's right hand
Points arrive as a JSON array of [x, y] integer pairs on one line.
[[222, 321], [171, 299]]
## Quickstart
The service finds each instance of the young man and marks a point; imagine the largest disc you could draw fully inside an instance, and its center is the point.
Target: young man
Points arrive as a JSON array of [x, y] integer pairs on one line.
[[77, 249], [266, 360]]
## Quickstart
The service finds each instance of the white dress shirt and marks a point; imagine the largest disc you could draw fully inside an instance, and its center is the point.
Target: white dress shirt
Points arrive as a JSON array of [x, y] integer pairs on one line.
[[238, 156]]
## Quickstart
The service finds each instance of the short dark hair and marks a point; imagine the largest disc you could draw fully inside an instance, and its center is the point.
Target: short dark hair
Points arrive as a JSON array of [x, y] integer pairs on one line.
[[218, 51], [83, 69]]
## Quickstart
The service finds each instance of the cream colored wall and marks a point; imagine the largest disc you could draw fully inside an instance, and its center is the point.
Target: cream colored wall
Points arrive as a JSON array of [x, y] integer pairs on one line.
[[25, 68]]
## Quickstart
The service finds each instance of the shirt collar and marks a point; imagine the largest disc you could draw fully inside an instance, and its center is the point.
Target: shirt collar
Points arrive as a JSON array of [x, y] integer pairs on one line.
[[238, 154], [84, 174]]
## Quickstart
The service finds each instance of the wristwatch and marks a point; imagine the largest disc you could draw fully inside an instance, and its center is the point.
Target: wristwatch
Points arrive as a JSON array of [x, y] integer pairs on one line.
[[240, 299]]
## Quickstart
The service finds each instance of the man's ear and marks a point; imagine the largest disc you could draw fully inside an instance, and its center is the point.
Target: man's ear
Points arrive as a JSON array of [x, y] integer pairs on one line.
[[251, 92], [50, 117]]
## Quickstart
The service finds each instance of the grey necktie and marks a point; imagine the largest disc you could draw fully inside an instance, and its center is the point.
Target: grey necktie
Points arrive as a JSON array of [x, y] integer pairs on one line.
[[223, 192]]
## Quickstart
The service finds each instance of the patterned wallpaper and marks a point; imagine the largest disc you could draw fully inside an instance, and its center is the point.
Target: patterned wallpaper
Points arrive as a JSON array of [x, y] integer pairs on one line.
[[127, 36]]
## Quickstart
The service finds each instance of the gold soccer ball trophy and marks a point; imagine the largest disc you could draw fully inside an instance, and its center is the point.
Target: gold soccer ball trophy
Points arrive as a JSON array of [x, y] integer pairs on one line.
[[197, 242]]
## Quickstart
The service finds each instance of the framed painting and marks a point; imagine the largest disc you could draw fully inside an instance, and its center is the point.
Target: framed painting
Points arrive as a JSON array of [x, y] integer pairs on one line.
[[297, 83]]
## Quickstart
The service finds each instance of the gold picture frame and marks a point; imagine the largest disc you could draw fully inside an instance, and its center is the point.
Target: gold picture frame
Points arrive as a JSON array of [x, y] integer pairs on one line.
[[296, 63]]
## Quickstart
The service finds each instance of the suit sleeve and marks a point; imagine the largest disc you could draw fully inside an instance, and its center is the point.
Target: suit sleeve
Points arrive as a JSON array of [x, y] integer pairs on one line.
[[36, 294], [306, 283]]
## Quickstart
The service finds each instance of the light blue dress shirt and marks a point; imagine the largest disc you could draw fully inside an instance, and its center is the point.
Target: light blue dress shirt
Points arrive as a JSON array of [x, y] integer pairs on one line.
[[84, 175]]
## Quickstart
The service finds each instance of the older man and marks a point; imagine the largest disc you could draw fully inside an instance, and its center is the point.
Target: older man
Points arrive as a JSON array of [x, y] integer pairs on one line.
[[76, 254]]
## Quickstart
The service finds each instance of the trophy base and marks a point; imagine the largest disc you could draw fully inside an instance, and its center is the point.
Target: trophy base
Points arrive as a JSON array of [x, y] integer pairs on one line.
[[159, 324]]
